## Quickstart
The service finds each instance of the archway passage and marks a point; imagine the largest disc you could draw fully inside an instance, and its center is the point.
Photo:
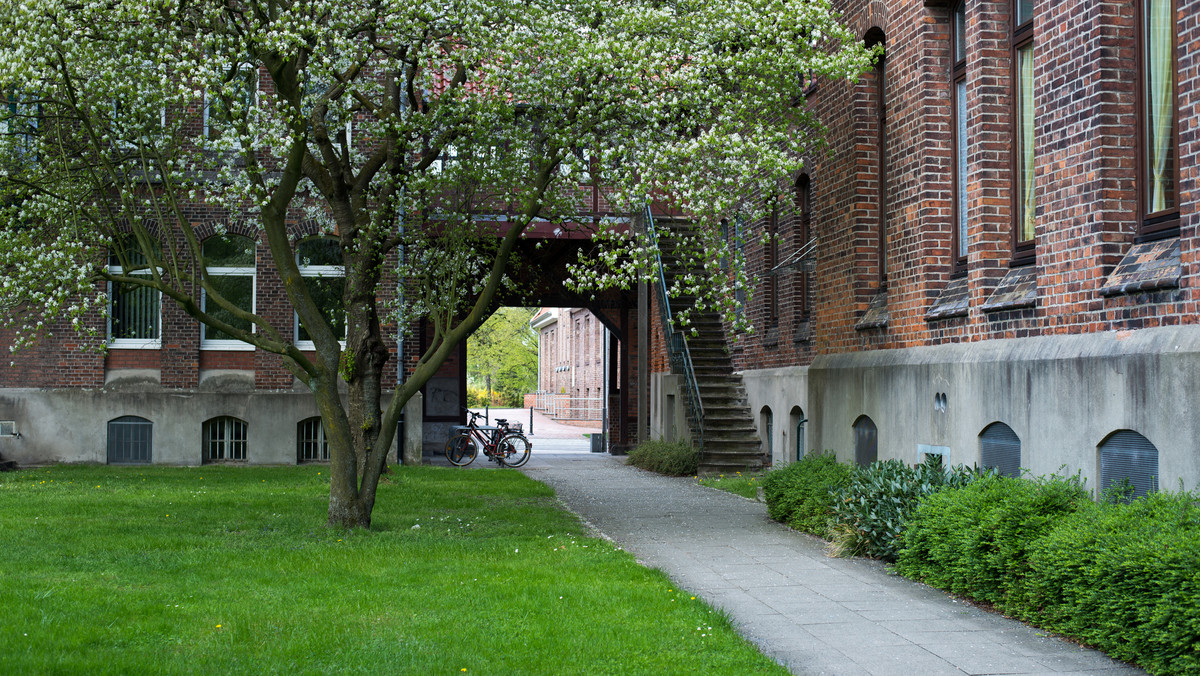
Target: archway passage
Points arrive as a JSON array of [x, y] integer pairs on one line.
[[541, 280]]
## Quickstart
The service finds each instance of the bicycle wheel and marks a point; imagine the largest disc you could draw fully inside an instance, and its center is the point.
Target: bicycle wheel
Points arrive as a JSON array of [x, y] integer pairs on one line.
[[514, 450], [461, 450]]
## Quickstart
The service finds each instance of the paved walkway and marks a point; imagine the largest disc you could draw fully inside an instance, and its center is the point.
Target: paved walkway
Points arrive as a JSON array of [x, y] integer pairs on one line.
[[814, 614]]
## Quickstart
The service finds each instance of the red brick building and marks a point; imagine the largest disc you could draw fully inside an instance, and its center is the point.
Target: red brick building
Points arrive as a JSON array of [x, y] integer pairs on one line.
[[572, 354], [1004, 235]]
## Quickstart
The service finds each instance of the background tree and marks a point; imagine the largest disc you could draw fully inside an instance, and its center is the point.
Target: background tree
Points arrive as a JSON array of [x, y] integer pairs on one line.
[[503, 352], [391, 126]]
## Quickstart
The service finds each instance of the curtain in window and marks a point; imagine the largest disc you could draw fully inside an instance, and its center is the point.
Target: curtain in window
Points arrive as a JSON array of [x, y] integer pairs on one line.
[[1025, 102], [1160, 103]]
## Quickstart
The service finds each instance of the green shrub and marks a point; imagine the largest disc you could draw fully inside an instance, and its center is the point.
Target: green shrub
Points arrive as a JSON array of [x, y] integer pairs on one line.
[[800, 494], [673, 459], [871, 510], [1125, 578], [974, 540]]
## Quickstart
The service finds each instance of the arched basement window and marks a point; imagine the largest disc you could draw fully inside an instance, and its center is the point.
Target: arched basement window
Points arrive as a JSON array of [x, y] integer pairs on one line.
[[224, 439], [866, 444], [999, 447], [1125, 454], [130, 440], [767, 425], [311, 445]]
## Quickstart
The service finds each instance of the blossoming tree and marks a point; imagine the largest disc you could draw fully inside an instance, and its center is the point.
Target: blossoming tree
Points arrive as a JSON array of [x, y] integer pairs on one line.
[[392, 125]]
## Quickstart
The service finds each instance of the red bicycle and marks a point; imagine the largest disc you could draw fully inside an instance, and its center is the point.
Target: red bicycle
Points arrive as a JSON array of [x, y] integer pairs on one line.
[[502, 443]]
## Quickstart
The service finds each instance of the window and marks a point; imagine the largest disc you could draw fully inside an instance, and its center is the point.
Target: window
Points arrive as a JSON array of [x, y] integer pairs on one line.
[[1000, 448], [802, 229], [879, 77], [1128, 460], [320, 263], [771, 254], [224, 439], [130, 440], [311, 445], [1024, 193], [135, 313], [19, 117], [8, 428], [220, 110], [229, 260], [1158, 121], [958, 78], [866, 445], [739, 246]]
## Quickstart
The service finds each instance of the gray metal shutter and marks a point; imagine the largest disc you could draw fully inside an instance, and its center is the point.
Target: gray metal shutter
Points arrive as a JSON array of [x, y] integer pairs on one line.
[[130, 440], [866, 446], [999, 447], [1128, 455]]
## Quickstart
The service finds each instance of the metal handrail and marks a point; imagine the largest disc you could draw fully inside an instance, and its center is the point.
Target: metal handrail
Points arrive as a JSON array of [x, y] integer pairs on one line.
[[677, 347]]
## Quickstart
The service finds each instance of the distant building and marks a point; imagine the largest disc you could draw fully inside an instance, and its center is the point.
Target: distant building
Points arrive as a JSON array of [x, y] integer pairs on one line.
[[571, 364]]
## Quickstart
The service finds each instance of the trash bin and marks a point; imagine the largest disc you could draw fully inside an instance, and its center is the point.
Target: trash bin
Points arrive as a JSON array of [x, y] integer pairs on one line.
[[598, 442]]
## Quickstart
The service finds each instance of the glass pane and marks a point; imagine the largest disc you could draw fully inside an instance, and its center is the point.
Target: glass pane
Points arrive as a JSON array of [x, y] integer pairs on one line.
[[1026, 202], [327, 294], [319, 252], [960, 29], [235, 289], [229, 251], [960, 150], [1024, 11], [134, 312], [1159, 108]]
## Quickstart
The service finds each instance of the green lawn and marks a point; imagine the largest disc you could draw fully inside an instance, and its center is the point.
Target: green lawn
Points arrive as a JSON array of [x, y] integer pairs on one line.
[[230, 570]]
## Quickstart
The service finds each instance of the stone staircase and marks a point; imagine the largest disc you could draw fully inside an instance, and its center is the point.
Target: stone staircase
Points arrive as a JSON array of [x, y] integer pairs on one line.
[[731, 440]]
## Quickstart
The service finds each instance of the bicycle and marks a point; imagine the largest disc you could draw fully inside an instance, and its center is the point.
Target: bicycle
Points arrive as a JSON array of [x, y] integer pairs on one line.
[[502, 443]]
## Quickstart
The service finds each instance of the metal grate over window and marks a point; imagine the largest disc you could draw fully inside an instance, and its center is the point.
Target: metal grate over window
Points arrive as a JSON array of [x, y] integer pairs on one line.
[[224, 439], [999, 447], [1127, 455], [130, 440], [866, 441], [311, 445]]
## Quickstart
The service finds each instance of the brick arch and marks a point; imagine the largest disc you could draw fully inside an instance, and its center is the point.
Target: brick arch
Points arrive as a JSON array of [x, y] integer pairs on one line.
[[307, 228], [243, 227], [875, 18]]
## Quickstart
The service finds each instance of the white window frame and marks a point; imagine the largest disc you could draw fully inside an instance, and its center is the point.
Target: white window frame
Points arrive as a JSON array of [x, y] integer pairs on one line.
[[315, 271], [225, 344], [131, 343], [253, 85]]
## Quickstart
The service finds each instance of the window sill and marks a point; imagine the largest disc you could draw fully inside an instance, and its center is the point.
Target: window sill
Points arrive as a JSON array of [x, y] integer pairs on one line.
[[226, 346], [134, 344], [1147, 266], [1017, 290], [953, 301], [876, 316]]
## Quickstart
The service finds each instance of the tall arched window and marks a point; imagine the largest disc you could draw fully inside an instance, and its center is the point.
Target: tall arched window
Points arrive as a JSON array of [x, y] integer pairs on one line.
[[1128, 456], [801, 236], [1000, 448], [866, 441], [1158, 118], [879, 76], [1024, 192], [958, 77], [320, 263], [229, 260]]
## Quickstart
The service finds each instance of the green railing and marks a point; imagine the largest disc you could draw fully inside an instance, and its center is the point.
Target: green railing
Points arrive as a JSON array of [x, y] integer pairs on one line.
[[677, 347]]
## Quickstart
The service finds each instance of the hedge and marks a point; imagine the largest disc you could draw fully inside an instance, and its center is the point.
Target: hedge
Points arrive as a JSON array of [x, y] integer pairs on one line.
[[800, 493], [974, 541], [672, 459]]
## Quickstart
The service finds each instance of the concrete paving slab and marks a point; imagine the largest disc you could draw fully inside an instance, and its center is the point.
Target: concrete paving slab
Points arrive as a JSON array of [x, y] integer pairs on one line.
[[813, 614]]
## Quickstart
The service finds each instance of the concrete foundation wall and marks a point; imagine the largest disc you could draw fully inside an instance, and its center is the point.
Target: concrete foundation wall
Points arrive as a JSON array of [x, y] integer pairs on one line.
[[71, 425], [1062, 396], [785, 392]]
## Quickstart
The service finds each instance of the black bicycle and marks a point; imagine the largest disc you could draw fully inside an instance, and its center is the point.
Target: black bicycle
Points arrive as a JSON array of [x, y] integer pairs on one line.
[[502, 443]]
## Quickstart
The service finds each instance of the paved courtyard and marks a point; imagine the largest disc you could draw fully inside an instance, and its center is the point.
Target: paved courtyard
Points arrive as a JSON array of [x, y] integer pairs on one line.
[[814, 614]]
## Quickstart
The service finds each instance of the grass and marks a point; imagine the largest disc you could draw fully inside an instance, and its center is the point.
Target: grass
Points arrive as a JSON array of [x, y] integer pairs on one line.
[[112, 570], [745, 485]]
